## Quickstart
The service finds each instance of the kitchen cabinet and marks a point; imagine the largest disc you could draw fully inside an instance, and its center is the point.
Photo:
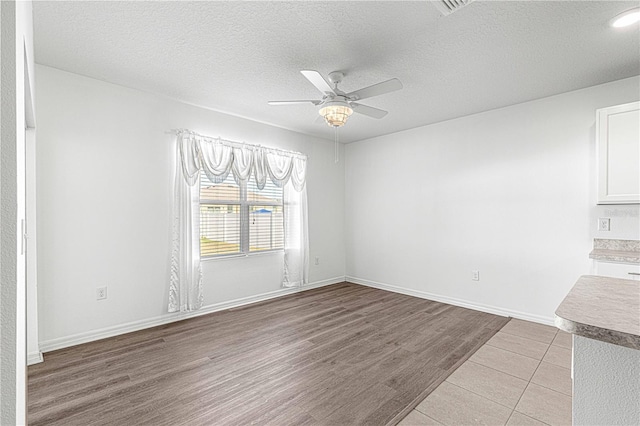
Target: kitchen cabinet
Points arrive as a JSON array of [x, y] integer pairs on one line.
[[627, 271], [616, 258], [618, 150]]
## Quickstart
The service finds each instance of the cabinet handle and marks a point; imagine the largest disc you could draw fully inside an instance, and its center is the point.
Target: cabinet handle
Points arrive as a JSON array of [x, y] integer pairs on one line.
[[633, 273]]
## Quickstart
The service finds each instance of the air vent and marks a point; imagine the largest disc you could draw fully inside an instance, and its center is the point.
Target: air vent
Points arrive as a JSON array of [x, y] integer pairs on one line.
[[447, 7]]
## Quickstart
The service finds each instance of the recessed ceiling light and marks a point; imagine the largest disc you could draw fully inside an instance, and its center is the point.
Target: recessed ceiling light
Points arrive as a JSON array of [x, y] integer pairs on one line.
[[627, 18]]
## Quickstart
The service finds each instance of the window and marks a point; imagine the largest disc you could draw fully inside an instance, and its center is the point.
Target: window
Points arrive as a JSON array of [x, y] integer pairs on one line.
[[239, 219]]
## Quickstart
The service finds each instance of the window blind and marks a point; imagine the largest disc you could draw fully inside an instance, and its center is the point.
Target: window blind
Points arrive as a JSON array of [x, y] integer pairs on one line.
[[237, 219]]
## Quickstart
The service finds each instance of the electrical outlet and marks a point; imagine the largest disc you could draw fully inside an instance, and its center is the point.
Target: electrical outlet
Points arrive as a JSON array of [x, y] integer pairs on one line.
[[317, 260], [101, 293], [604, 224], [475, 275]]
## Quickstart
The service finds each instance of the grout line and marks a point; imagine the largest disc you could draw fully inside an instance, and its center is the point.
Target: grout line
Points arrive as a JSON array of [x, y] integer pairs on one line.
[[425, 394], [547, 387], [555, 365], [440, 423], [517, 353], [522, 414], [562, 347], [524, 337], [529, 382], [519, 335], [552, 390], [486, 397], [510, 415], [503, 372], [482, 396], [423, 414], [532, 376], [528, 338], [525, 390]]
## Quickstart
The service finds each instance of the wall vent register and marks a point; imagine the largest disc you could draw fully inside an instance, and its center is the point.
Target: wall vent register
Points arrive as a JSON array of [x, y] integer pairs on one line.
[[447, 7]]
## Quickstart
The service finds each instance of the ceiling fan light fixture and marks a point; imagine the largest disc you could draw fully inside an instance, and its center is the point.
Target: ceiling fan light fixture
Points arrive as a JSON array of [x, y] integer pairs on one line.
[[625, 19], [336, 114]]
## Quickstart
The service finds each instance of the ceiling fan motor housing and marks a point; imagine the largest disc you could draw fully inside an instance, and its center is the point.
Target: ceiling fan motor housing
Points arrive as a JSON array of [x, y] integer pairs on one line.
[[336, 77]]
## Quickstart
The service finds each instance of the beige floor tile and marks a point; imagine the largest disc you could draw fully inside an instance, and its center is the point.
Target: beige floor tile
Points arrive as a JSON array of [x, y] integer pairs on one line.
[[563, 339], [416, 418], [505, 361], [519, 345], [553, 377], [519, 419], [489, 383], [452, 405], [530, 330], [545, 405], [558, 356]]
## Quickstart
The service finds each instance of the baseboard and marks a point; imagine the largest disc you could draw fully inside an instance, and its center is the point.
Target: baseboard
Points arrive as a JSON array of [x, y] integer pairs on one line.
[[90, 336], [34, 358], [453, 301], [77, 339]]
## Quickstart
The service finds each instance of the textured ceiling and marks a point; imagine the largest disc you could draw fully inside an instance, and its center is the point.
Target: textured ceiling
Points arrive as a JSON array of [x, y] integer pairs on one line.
[[235, 56]]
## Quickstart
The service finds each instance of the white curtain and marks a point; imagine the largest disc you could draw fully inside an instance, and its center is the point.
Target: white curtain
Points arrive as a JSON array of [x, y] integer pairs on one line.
[[217, 158], [185, 286], [296, 237]]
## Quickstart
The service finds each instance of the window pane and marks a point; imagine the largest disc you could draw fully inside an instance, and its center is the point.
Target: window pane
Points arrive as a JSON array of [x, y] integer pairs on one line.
[[219, 229], [266, 228], [270, 193], [225, 191]]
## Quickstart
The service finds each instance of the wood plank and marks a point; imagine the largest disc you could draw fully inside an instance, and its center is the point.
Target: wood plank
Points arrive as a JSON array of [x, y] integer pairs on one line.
[[340, 354]]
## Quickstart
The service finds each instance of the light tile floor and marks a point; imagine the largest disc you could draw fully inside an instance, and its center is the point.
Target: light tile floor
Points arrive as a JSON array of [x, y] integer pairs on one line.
[[521, 376]]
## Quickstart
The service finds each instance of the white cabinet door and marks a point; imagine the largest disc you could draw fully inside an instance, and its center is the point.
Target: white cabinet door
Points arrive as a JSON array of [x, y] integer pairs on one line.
[[627, 271], [618, 139]]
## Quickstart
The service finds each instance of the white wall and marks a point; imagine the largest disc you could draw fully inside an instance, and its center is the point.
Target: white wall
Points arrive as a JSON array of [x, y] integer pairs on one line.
[[33, 347], [606, 383], [509, 192], [104, 193], [17, 113]]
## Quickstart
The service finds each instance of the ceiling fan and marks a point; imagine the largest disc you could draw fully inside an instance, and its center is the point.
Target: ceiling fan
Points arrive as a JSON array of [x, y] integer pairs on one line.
[[336, 105]]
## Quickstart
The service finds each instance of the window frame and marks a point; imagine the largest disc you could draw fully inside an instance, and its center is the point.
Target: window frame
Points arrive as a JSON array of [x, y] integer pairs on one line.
[[244, 207]]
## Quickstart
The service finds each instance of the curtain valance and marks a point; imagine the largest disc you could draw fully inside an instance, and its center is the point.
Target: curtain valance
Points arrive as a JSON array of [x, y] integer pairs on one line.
[[218, 157]]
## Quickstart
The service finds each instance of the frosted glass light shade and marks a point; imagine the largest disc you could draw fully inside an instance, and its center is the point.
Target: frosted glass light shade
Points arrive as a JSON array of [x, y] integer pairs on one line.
[[336, 115], [627, 18]]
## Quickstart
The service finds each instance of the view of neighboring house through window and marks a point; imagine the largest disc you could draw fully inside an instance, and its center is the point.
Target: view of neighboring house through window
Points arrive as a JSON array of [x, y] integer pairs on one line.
[[236, 219]]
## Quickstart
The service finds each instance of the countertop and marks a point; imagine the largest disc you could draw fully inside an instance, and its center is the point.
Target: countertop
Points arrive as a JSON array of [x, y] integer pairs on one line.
[[602, 308], [626, 251]]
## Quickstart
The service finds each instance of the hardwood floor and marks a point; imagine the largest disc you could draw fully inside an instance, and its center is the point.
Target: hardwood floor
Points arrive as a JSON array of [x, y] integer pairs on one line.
[[337, 355]]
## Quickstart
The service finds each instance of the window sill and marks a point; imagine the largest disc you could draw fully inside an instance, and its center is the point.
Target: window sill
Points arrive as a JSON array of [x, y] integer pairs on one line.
[[241, 255]]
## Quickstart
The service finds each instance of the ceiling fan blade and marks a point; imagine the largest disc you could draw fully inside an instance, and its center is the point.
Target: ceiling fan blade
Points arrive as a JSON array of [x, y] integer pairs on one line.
[[293, 102], [368, 111], [318, 80], [375, 90]]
